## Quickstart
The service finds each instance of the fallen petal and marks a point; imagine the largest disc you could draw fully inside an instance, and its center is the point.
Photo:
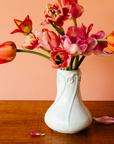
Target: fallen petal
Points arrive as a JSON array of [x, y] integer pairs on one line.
[[105, 119], [36, 134]]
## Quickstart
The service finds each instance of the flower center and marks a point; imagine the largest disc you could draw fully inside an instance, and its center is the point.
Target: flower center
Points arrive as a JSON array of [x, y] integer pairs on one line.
[[52, 11], [59, 59]]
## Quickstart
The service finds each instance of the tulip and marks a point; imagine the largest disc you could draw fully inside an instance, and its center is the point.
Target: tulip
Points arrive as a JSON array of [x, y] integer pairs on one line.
[[75, 9], [60, 58], [101, 45], [79, 36], [7, 52], [31, 42], [48, 39], [70, 47], [105, 120], [24, 27], [55, 15], [110, 41]]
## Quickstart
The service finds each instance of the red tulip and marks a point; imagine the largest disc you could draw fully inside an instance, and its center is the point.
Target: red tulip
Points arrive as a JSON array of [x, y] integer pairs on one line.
[[7, 52], [60, 57], [24, 27]]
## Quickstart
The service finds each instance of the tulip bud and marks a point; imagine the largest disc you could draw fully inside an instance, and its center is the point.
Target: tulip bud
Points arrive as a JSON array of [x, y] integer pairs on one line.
[[7, 52]]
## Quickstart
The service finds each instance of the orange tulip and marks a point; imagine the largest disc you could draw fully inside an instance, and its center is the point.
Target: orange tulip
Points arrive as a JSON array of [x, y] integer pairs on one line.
[[7, 52], [110, 41], [24, 27]]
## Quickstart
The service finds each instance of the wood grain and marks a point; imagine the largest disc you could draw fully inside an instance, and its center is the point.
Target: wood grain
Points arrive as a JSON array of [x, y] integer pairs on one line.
[[18, 118]]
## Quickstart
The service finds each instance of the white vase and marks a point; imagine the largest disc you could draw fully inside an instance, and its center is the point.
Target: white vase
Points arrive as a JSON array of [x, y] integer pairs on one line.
[[68, 113]]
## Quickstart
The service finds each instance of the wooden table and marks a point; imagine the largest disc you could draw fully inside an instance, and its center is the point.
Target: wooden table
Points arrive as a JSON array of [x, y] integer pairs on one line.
[[18, 118]]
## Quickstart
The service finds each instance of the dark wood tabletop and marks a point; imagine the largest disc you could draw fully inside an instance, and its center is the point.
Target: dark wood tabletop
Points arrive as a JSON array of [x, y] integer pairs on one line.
[[18, 118]]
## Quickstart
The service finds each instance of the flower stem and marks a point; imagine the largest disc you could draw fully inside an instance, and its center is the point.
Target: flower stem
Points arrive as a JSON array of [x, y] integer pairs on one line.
[[77, 66], [33, 52], [76, 61], [59, 30], [75, 22], [71, 64], [101, 39], [48, 51]]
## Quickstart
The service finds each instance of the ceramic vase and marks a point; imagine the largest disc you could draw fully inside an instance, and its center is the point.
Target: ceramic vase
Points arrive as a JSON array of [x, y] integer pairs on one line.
[[68, 114]]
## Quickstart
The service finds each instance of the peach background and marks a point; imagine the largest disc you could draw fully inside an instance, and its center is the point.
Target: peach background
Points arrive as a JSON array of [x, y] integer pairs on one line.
[[30, 77]]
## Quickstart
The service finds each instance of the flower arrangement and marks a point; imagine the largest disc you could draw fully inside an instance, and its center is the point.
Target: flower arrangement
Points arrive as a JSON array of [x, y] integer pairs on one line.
[[66, 49]]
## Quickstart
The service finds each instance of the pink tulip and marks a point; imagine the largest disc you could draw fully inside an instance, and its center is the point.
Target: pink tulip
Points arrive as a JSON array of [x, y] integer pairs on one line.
[[55, 14], [7, 52], [70, 47], [75, 9], [80, 37], [24, 27], [31, 42], [105, 120], [60, 58], [48, 39]]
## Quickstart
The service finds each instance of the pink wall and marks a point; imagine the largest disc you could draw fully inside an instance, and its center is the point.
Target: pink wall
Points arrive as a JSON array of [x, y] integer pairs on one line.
[[30, 77]]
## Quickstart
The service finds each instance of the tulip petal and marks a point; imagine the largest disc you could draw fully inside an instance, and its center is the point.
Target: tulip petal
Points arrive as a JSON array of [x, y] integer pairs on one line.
[[17, 22], [16, 30], [36, 134], [105, 120], [76, 10]]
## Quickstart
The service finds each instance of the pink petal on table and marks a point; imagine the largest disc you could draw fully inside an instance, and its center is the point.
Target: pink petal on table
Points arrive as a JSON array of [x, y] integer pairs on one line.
[[105, 120], [36, 134]]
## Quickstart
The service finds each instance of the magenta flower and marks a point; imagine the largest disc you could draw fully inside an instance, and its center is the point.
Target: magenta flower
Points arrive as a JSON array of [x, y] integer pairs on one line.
[[99, 49], [55, 14], [31, 42], [105, 120], [75, 9], [48, 39], [80, 37], [70, 47], [60, 57]]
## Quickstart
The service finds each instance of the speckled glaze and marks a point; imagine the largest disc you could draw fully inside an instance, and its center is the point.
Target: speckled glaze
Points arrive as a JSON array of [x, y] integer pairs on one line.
[[68, 113]]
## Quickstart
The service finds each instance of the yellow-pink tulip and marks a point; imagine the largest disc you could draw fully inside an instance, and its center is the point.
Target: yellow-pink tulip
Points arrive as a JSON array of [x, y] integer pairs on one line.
[[110, 41], [24, 27], [7, 52]]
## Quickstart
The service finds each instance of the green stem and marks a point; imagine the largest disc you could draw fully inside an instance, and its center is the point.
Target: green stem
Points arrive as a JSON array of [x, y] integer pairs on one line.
[[76, 61], [59, 30], [48, 51], [33, 52], [77, 66], [75, 22], [71, 64], [101, 39]]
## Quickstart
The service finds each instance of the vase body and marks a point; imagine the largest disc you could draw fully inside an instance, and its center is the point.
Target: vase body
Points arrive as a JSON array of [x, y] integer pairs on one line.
[[68, 113]]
